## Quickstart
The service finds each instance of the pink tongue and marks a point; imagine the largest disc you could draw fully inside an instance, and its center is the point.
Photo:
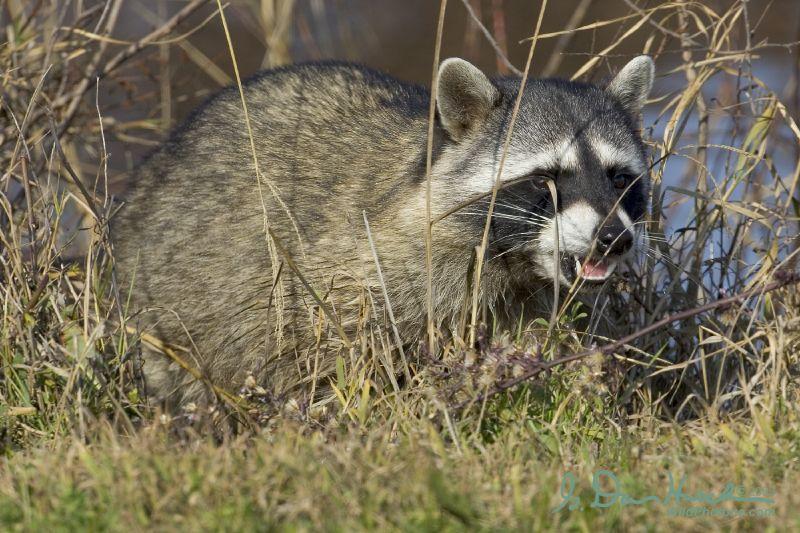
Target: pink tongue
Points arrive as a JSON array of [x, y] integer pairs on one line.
[[594, 269]]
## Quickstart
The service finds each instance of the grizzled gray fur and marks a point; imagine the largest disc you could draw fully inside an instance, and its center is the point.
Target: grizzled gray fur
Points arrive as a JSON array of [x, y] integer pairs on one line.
[[333, 141]]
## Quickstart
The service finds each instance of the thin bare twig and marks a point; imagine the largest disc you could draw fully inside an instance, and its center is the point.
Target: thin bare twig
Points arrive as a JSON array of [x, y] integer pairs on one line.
[[497, 183], [428, 166], [563, 41], [88, 198], [489, 37], [386, 299], [328, 311], [88, 81], [659, 27]]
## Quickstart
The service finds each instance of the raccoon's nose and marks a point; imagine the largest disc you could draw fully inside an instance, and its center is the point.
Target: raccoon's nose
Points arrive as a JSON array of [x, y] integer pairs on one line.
[[614, 240]]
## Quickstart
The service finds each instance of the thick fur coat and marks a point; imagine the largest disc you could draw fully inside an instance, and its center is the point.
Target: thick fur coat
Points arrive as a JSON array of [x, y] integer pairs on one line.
[[208, 248]]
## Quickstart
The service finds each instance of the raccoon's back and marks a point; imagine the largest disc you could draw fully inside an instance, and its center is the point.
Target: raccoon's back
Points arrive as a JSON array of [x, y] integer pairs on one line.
[[331, 139]]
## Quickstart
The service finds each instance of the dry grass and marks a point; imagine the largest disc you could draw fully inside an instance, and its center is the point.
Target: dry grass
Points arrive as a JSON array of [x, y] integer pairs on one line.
[[713, 397]]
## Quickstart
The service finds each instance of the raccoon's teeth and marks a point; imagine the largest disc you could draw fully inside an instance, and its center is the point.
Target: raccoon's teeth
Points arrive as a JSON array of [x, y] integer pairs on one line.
[[594, 270]]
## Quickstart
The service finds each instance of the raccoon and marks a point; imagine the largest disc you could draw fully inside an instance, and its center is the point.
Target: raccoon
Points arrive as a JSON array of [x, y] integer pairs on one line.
[[243, 239]]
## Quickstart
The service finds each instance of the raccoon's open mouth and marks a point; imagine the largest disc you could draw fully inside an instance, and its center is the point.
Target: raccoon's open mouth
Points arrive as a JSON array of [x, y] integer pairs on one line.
[[593, 270]]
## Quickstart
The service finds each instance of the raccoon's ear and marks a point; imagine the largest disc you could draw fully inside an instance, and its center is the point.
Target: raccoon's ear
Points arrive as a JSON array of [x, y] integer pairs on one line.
[[633, 83], [465, 96]]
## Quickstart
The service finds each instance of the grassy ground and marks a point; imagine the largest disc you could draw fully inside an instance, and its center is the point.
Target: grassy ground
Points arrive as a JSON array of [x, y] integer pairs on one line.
[[355, 478], [711, 399]]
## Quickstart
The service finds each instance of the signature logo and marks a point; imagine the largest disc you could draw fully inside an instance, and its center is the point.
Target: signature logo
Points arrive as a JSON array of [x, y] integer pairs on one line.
[[607, 492]]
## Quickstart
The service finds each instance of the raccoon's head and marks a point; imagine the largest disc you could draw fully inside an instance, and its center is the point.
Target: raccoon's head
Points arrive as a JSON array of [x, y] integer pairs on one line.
[[582, 138]]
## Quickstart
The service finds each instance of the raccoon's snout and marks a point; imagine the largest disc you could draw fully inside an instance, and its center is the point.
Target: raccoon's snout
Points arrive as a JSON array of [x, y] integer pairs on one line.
[[592, 244], [614, 240]]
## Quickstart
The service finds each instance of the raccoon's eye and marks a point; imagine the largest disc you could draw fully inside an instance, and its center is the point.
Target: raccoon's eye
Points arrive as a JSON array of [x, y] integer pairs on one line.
[[621, 180]]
